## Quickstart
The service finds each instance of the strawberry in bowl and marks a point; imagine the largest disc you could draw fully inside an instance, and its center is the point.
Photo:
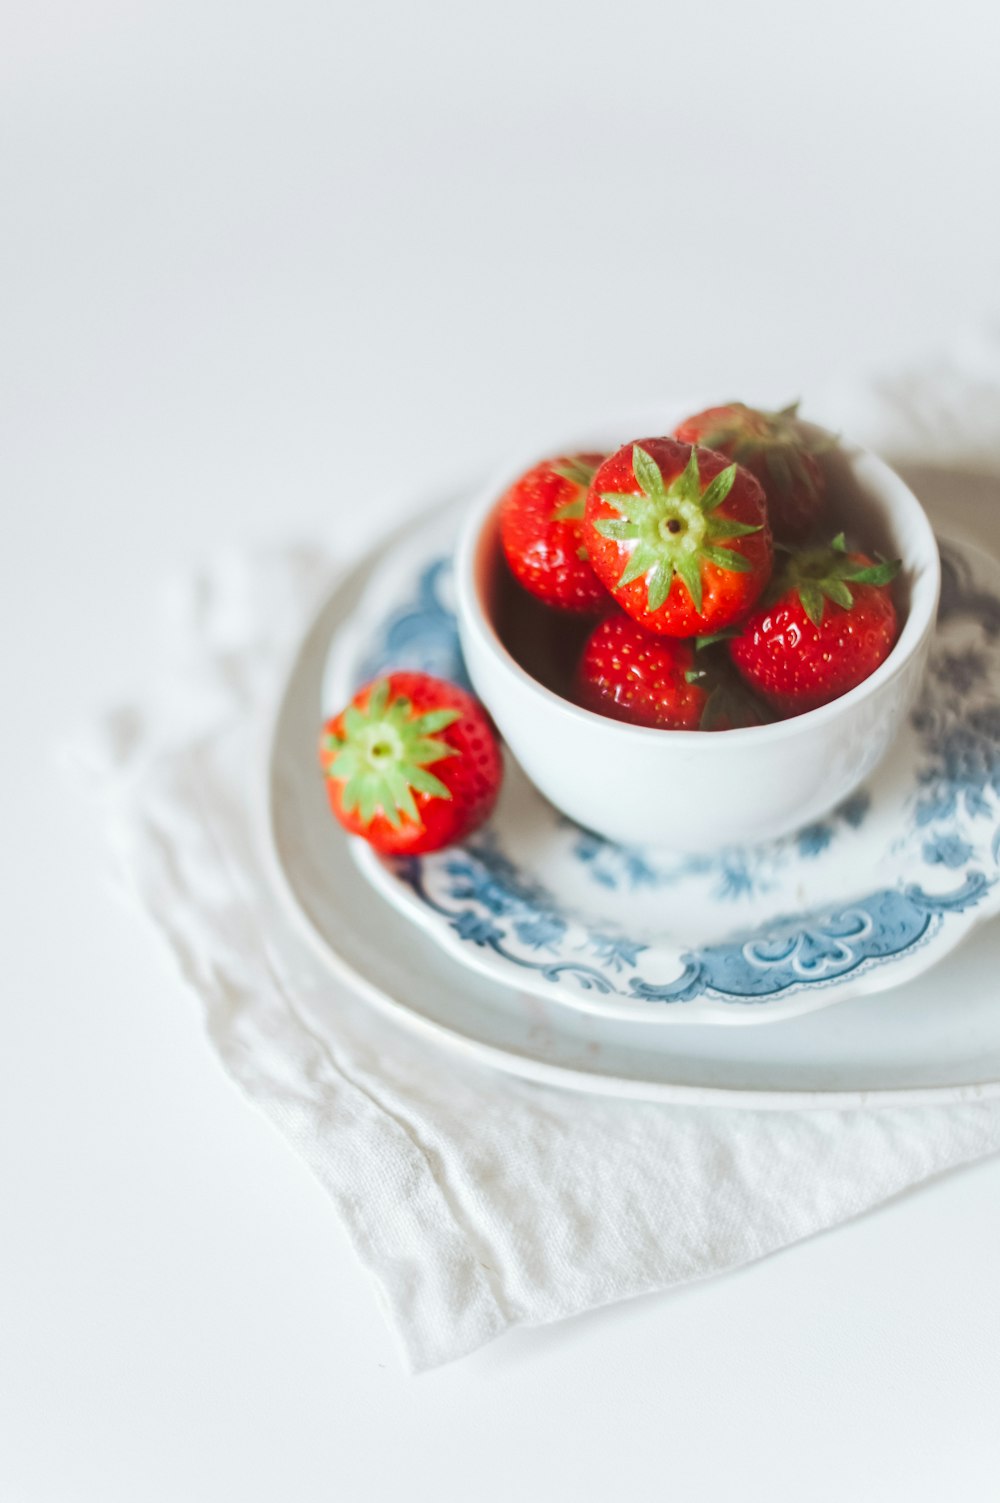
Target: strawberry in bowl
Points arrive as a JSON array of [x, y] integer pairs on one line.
[[678, 535], [636, 675], [827, 623], [541, 528], [633, 674], [783, 453]]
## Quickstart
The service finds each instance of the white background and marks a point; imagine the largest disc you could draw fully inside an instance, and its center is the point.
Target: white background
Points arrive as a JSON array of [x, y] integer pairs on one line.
[[278, 268]]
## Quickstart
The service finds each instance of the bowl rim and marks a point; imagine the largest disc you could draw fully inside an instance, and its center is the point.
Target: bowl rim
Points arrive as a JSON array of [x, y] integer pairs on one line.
[[472, 615]]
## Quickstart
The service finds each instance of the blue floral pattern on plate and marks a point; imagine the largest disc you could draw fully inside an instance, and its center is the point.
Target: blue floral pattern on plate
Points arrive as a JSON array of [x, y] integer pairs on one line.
[[858, 901]]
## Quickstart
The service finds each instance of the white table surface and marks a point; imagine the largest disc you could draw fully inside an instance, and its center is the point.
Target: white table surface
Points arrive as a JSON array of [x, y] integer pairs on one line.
[[259, 262]]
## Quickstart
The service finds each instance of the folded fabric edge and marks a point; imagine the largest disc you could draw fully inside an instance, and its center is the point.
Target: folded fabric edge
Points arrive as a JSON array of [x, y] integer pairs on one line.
[[172, 843], [438, 1308]]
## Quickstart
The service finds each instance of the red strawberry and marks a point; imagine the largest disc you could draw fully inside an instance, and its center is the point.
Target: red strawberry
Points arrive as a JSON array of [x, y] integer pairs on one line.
[[678, 535], [632, 674], [377, 756], [828, 622], [776, 448], [541, 529]]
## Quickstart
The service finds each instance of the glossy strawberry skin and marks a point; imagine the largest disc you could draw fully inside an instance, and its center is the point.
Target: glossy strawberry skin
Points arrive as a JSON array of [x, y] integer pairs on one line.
[[773, 447], [541, 531], [471, 771], [796, 665], [631, 674], [727, 595]]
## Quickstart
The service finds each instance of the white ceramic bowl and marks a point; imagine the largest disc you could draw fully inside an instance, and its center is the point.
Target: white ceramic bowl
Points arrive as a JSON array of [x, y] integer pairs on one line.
[[697, 790]]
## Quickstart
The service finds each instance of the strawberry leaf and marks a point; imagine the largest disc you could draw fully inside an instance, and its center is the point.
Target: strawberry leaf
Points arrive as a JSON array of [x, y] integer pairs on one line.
[[616, 528], [725, 558], [435, 720], [882, 573], [837, 591], [812, 602], [643, 559], [718, 489], [687, 486], [576, 470], [424, 749], [726, 527], [425, 782], [647, 472], [690, 573], [659, 581]]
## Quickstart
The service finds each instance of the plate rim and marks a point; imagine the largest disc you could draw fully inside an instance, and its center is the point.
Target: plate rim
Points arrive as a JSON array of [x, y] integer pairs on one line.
[[704, 1012]]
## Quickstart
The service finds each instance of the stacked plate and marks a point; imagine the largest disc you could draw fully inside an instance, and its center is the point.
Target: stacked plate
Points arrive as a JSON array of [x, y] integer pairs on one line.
[[801, 973]]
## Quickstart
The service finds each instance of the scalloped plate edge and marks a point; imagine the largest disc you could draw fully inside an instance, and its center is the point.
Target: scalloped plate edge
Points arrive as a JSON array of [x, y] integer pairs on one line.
[[866, 980], [541, 1071]]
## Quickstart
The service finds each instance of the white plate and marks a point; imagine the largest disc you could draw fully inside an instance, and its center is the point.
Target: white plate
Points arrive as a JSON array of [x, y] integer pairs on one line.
[[863, 900], [937, 1039]]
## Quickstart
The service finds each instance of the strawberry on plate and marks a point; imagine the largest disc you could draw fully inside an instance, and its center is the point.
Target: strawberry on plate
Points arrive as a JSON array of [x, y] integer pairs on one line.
[[679, 535], [779, 450], [412, 764], [826, 624], [645, 678], [541, 530]]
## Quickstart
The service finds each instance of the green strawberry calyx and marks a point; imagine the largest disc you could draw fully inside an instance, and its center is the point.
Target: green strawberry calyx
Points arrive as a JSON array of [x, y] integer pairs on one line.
[[384, 753], [674, 528], [580, 473], [821, 574], [779, 437]]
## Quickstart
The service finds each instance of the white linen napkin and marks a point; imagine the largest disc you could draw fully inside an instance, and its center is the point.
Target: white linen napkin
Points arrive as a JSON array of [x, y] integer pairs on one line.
[[475, 1201]]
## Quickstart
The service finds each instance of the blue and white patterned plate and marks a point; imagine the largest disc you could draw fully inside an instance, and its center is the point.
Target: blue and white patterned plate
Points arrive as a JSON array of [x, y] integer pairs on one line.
[[867, 898]]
